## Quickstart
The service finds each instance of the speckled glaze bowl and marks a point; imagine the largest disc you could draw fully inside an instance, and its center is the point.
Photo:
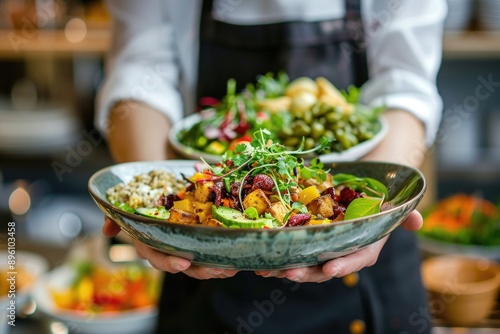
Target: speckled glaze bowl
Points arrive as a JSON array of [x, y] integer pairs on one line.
[[263, 249]]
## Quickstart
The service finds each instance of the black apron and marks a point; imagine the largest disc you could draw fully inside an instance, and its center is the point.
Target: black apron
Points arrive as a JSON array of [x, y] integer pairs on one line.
[[387, 298]]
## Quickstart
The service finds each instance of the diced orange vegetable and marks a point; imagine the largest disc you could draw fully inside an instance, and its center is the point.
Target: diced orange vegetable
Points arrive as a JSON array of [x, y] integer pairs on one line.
[[200, 176], [455, 212], [181, 193], [319, 221], [184, 205], [227, 202], [308, 194], [203, 210]]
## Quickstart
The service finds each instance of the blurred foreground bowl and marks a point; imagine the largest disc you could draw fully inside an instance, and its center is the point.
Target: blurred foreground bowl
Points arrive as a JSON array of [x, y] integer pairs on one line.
[[463, 290], [139, 320]]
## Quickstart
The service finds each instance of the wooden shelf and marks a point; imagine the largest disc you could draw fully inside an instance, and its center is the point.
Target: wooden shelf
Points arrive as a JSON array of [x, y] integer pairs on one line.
[[474, 44], [471, 44], [14, 43]]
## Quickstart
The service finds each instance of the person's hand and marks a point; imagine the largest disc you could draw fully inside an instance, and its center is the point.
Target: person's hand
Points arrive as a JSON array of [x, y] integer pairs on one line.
[[334, 268], [345, 265], [168, 263]]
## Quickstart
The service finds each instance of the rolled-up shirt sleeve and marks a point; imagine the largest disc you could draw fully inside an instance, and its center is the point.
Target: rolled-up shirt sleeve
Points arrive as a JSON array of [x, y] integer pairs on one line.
[[142, 62], [404, 46]]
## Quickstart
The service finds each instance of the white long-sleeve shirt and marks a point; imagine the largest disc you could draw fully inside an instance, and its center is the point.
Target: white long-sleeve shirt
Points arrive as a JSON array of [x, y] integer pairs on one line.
[[154, 52]]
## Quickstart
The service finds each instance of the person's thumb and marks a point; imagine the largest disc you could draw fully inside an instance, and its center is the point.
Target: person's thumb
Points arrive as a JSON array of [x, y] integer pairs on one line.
[[110, 228], [413, 222]]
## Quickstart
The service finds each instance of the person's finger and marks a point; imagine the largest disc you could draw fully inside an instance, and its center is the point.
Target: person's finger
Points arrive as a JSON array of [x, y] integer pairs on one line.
[[209, 273], [307, 274], [354, 262], [110, 228], [174, 264], [161, 261], [269, 273], [413, 222]]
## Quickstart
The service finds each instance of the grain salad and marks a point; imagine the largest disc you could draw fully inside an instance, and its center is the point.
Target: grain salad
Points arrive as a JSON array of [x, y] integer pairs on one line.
[[145, 189]]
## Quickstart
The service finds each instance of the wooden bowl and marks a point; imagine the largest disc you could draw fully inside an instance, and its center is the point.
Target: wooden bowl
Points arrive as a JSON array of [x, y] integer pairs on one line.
[[462, 289]]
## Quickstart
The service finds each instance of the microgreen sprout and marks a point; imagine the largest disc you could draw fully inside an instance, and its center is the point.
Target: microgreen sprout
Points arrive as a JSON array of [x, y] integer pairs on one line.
[[279, 163]]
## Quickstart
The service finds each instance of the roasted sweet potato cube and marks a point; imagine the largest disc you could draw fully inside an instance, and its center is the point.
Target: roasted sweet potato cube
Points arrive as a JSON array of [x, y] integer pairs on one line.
[[183, 217], [258, 200], [213, 222], [278, 211], [203, 190], [321, 206]]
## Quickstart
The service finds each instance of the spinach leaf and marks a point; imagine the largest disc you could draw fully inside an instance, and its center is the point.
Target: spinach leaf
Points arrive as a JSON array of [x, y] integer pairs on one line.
[[362, 207]]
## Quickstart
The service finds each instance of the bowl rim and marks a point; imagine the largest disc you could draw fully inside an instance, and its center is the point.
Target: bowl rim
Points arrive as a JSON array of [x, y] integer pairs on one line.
[[438, 285], [152, 221]]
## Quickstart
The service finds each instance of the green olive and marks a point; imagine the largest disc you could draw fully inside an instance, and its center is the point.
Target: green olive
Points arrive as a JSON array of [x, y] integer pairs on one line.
[[353, 119], [325, 108], [339, 125], [352, 139], [316, 110], [343, 138], [317, 130], [286, 131], [308, 116], [292, 142], [300, 128], [366, 135], [332, 117], [329, 134], [309, 143]]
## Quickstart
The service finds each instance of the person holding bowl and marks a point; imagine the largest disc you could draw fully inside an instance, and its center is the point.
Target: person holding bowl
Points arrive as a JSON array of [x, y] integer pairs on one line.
[[166, 54]]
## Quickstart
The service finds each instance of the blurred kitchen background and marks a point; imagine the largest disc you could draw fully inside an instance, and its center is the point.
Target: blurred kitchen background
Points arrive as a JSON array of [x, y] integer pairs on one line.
[[51, 63]]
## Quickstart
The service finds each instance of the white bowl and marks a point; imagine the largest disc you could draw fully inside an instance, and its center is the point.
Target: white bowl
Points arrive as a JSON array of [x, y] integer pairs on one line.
[[25, 263], [141, 320]]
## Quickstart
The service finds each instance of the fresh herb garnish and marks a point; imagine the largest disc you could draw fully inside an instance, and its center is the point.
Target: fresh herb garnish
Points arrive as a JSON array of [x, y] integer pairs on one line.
[[262, 154]]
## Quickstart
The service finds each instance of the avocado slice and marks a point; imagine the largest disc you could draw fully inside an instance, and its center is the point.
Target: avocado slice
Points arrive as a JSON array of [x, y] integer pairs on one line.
[[234, 218], [158, 212]]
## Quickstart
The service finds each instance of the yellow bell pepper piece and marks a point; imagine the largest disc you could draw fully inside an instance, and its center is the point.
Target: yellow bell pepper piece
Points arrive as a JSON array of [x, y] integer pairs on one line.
[[184, 205], [203, 210], [200, 176], [308, 194], [319, 221]]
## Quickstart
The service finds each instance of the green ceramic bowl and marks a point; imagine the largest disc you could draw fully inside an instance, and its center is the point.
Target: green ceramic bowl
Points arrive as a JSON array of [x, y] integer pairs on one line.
[[263, 249]]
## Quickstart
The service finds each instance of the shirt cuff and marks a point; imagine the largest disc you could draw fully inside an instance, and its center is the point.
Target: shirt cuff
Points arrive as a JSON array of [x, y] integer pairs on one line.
[[123, 85]]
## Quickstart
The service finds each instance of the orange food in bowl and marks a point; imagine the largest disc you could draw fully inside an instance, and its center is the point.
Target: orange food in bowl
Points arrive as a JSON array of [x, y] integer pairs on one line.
[[456, 212], [97, 289], [463, 290], [23, 279]]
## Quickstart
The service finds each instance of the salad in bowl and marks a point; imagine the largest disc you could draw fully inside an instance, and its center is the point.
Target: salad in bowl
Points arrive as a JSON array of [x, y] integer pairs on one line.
[[260, 207], [296, 113]]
